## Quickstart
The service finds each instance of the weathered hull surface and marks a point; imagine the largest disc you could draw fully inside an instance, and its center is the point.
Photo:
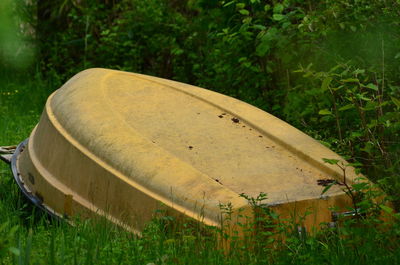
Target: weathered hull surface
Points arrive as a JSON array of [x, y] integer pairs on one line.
[[121, 145]]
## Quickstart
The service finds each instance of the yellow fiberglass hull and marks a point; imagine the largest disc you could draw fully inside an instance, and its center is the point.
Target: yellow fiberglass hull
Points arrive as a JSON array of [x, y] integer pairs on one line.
[[120, 145]]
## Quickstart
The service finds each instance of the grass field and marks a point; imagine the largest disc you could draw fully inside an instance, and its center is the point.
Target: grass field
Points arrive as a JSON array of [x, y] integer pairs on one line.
[[28, 236]]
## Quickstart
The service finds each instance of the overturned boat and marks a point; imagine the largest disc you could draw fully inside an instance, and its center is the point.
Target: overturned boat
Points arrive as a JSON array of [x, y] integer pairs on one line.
[[122, 145]]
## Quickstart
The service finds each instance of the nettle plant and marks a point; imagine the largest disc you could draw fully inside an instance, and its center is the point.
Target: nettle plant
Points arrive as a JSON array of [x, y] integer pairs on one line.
[[359, 111]]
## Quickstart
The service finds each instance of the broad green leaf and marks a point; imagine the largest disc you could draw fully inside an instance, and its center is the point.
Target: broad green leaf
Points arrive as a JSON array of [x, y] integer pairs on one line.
[[325, 83], [330, 161], [386, 208], [278, 8], [177, 51], [240, 5], [325, 112], [260, 27], [229, 3], [350, 80], [278, 17], [396, 101], [247, 64], [348, 106], [244, 12], [267, 7], [372, 86]]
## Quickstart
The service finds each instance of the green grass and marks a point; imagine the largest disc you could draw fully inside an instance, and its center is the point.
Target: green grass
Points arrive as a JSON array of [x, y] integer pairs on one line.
[[28, 236]]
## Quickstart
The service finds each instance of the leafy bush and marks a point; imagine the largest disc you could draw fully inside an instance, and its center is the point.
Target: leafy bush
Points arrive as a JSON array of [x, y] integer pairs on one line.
[[347, 96]]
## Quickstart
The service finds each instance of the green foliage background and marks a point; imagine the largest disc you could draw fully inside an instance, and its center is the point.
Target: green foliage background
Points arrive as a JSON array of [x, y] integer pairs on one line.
[[329, 68]]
